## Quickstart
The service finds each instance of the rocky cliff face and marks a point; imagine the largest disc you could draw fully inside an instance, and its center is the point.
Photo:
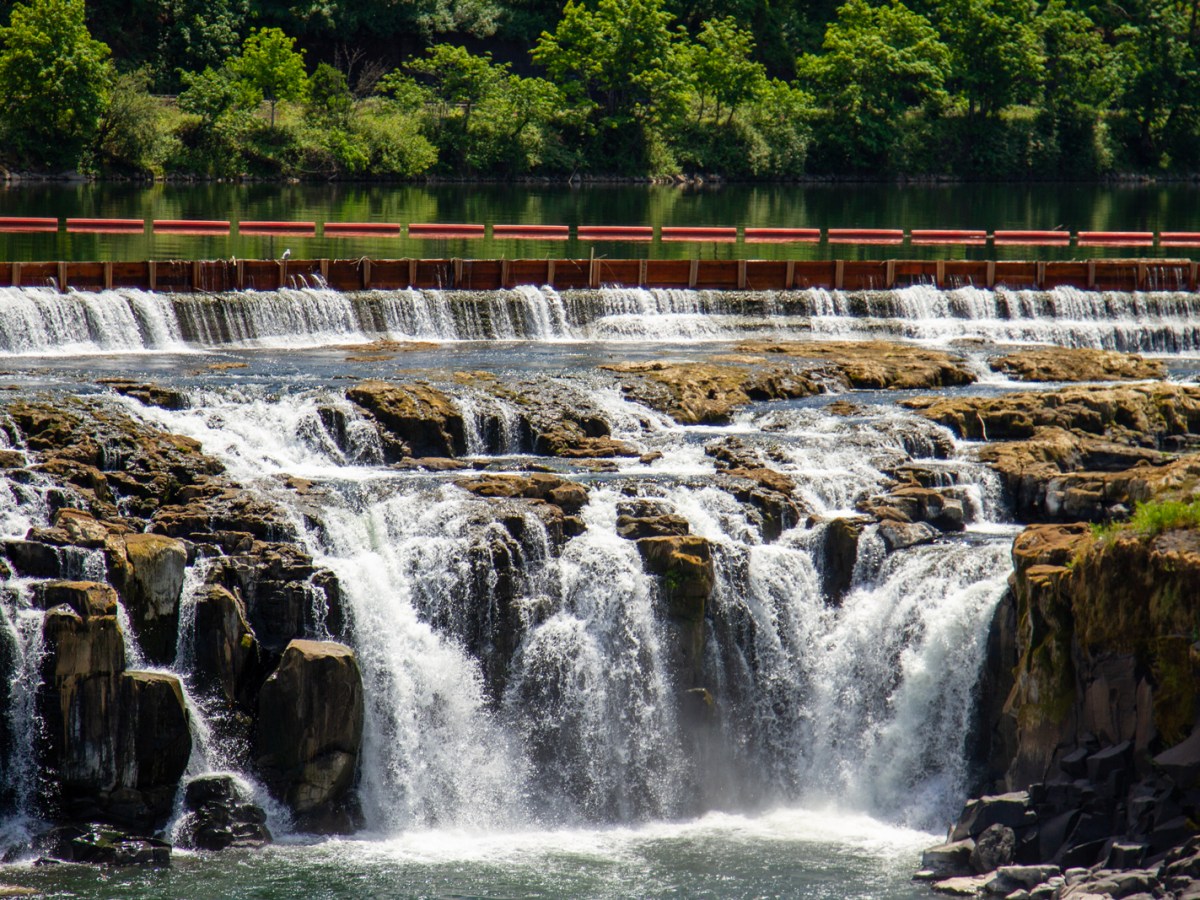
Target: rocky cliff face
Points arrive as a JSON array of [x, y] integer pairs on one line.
[[1088, 750]]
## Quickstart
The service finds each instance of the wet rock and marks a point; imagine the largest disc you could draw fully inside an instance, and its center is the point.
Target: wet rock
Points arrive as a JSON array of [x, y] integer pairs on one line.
[[419, 416], [226, 650], [949, 859], [219, 815], [34, 559], [840, 556], [913, 503], [636, 527], [148, 570], [100, 845], [995, 847], [88, 599], [1011, 809], [1011, 878], [768, 493], [709, 393], [309, 733], [148, 394], [1076, 364], [12, 459], [962, 886], [282, 592], [569, 496], [902, 535], [874, 365], [685, 565]]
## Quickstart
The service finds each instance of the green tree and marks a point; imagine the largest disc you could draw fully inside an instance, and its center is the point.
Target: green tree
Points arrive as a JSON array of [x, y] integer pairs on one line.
[[723, 72], [329, 97], [995, 50], [623, 54], [1158, 58], [130, 134], [54, 81], [195, 34], [270, 68], [878, 63], [481, 116]]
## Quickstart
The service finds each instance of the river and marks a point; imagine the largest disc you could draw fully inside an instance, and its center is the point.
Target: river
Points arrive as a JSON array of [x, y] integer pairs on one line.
[[1073, 207], [841, 748]]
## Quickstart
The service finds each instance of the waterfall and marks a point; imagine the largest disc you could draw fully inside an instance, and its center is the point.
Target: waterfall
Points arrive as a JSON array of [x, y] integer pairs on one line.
[[42, 321]]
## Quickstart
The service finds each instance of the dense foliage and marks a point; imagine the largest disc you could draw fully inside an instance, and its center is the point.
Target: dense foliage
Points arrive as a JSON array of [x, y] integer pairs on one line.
[[504, 88]]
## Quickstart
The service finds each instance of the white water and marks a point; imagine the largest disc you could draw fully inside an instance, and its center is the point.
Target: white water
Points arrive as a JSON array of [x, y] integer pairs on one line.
[[864, 706], [42, 321]]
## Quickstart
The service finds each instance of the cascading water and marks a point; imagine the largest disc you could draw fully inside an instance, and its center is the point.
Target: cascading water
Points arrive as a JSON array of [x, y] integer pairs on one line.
[[42, 321], [522, 677]]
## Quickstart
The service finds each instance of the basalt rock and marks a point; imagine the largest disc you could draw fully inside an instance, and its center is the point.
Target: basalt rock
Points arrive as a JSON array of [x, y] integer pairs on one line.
[[685, 567], [148, 570], [117, 742], [873, 365], [709, 393], [283, 595], [1076, 364], [147, 394], [840, 556], [1135, 415], [420, 417], [913, 503], [219, 815], [309, 733], [103, 845], [226, 650]]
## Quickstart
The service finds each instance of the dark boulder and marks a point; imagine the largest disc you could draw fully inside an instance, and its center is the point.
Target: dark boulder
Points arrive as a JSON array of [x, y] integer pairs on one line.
[[309, 733]]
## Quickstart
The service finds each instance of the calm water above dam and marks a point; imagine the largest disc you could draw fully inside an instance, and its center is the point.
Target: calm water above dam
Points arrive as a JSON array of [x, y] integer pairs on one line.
[[1071, 207]]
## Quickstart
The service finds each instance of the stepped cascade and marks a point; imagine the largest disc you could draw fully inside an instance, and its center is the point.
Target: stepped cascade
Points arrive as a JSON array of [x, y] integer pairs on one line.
[[577, 582]]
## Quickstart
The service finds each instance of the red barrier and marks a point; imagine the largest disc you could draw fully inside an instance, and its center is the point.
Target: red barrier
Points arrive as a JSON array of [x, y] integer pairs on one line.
[[437, 230], [300, 229], [106, 226], [361, 229], [614, 233], [1032, 237], [1110, 238], [25, 223], [191, 226], [681, 233], [1179, 238], [782, 235], [865, 235], [532, 232], [947, 236]]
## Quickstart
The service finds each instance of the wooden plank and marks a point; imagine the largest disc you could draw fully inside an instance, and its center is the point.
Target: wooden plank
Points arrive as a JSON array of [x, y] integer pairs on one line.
[[1193, 267], [1039, 280], [789, 278], [457, 267], [890, 274], [550, 272], [241, 274], [366, 273], [991, 274], [324, 271], [668, 273], [741, 274], [839, 274], [62, 277], [108, 276], [16, 274], [504, 271], [939, 273], [152, 274], [412, 273], [642, 266], [693, 273]]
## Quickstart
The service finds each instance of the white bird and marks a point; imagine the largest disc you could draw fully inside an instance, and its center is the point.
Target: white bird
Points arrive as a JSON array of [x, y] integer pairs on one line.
[[286, 253]]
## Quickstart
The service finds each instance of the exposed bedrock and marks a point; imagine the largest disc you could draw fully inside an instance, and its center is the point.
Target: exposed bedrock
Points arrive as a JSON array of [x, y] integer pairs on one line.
[[1088, 722], [116, 742], [218, 814], [1076, 364], [148, 571], [1080, 453], [309, 734], [421, 418]]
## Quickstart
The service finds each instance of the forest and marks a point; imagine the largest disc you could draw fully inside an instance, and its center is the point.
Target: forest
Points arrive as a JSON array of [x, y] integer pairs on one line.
[[504, 89]]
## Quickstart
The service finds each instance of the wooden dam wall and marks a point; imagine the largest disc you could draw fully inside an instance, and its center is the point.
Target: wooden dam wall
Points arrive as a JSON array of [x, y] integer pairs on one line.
[[564, 274]]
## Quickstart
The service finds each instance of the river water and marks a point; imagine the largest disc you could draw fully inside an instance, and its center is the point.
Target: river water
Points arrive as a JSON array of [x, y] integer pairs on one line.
[[1070, 207], [841, 749]]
